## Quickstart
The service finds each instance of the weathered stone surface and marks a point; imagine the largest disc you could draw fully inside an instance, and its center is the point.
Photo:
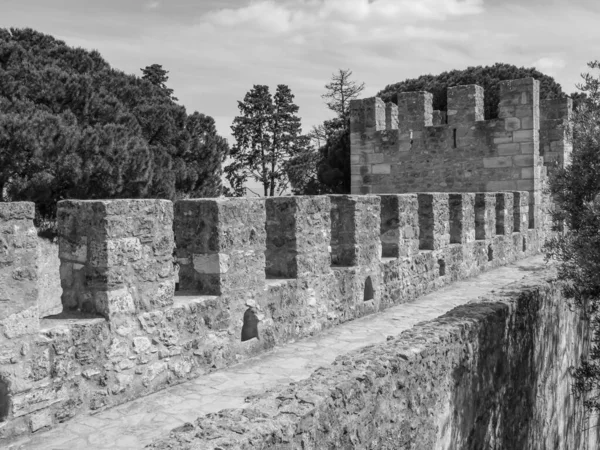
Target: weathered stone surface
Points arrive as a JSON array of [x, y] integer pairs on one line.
[[355, 230], [49, 287], [399, 225], [220, 244], [477, 377], [116, 259], [18, 258], [298, 236], [467, 154], [116, 255], [465, 105]]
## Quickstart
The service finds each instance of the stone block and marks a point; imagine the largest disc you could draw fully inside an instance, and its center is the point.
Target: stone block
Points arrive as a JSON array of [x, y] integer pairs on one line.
[[375, 158], [355, 230], [39, 420], [527, 147], [298, 236], [512, 124], [220, 244], [523, 136], [527, 173], [497, 161], [508, 149], [523, 160], [381, 169]]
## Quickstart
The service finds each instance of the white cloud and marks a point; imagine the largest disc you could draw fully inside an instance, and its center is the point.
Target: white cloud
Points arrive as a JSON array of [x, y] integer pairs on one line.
[[155, 4], [296, 15], [549, 63]]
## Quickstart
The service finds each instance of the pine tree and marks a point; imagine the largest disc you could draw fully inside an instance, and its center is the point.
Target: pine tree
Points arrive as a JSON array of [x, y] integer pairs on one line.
[[268, 135], [340, 91], [73, 127], [156, 75]]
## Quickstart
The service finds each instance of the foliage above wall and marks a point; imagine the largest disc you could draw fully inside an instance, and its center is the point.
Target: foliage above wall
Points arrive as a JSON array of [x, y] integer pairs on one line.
[[487, 77], [268, 136], [576, 191], [73, 127]]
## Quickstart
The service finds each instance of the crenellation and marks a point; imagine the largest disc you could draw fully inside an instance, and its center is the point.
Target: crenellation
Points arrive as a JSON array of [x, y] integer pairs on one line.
[[468, 154], [465, 105], [504, 213], [415, 111], [253, 273], [521, 211], [453, 199], [399, 225], [367, 115], [298, 236], [115, 255], [462, 218], [434, 221], [355, 230], [485, 215], [220, 244]]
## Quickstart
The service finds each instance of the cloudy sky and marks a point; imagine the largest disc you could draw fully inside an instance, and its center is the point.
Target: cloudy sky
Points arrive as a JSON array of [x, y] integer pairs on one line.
[[216, 50]]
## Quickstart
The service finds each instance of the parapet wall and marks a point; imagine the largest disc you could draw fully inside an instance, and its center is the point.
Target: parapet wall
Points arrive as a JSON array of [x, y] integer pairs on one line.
[[253, 273], [408, 147], [493, 374]]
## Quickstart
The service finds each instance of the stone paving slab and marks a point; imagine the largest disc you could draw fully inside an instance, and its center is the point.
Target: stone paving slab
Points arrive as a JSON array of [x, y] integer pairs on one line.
[[135, 424]]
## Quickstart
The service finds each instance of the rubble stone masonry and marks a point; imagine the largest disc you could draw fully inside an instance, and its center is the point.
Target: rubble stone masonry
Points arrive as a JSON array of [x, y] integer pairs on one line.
[[280, 269], [418, 152], [432, 203]]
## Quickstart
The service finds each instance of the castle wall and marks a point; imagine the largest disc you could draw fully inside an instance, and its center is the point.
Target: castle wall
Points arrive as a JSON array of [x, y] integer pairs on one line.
[[466, 154], [254, 273], [490, 374]]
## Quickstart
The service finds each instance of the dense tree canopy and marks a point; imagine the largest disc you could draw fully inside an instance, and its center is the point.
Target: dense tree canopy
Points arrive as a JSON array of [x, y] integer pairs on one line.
[[73, 127], [487, 77], [576, 192]]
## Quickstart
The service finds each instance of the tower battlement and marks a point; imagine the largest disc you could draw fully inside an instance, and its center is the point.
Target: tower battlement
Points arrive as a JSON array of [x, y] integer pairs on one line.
[[409, 147]]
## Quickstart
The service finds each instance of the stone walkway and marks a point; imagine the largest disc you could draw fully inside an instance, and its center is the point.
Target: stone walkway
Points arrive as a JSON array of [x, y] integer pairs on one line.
[[135, 424]]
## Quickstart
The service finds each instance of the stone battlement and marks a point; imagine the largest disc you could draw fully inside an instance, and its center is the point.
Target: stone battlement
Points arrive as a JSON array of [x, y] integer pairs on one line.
[[253, 273], [409, 147]]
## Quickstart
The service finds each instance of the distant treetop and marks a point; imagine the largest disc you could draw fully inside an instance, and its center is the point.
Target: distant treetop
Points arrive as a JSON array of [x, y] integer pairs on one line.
[[487, 77]]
